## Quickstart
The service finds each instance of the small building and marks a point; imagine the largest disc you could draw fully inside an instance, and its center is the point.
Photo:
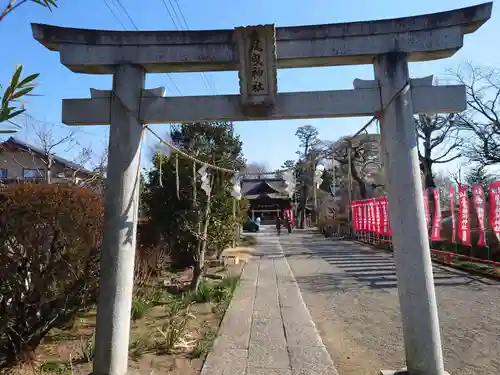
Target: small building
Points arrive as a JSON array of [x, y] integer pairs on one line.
[[22, 162], [267, 197]]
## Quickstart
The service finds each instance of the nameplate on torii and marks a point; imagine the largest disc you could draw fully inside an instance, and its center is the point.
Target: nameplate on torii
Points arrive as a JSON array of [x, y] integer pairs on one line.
[[256, 47], [363, 100]]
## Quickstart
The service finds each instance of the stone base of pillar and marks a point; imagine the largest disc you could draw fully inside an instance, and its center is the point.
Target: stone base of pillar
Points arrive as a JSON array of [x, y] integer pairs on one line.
[[403, 371]]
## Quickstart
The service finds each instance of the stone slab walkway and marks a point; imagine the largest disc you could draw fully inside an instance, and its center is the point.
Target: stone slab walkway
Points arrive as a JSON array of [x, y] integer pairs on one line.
[[267, 329]]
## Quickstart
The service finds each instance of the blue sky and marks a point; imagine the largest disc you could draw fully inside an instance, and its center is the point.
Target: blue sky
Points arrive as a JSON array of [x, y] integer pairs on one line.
[[264, 141]]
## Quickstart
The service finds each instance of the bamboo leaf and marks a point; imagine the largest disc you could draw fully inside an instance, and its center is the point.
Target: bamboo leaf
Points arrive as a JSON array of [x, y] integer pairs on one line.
[[15, 113], [6, 95], [29, 79], [49, 4], [15, 78], [22, 92]]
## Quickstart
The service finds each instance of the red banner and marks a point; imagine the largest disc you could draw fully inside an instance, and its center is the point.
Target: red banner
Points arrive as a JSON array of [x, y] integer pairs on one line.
[[386, 225], [463, 216], [359, 215], [451, 192], [436, 222], [426, 208], [371, 213], [495, 207], [353, 215], [366, 222], [378, 215], [479, 205], [368, 216]]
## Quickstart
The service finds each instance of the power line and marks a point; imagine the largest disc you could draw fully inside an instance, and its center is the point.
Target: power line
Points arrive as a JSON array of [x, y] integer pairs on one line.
[[182, 14], [176, 15], [28, 116], [124, 10], [204, 77], [173, 83], [114, 14], [170, 14], [119, 2]]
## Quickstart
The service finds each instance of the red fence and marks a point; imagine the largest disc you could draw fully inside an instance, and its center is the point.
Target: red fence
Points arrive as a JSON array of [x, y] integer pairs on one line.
[[371, 221]]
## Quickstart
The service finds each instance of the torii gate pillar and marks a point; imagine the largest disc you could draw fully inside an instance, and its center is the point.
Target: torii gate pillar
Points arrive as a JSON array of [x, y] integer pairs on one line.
[[417, 297], [120, 223]]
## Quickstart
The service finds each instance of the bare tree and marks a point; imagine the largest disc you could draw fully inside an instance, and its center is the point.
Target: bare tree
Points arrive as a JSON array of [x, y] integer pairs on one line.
[[44, 134], [363, 152], [439, 143], [257, 170], [482, 117], [98, 166]]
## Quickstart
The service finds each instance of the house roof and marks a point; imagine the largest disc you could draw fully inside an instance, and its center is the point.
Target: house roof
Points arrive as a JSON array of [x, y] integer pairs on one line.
[[40, 153], [273, 188]]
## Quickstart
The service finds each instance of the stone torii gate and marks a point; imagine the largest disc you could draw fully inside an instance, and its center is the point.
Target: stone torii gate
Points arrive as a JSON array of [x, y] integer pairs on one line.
[[256, 52]]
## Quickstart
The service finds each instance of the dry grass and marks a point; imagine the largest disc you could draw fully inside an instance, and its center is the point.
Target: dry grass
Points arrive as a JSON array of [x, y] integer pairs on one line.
[[243, 253], [170, 335]]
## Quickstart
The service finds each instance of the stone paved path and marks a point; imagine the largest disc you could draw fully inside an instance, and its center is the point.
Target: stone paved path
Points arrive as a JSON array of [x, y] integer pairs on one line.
[[267, 329]]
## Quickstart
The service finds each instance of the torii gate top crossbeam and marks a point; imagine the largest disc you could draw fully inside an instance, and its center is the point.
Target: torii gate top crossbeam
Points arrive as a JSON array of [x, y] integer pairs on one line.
[[424, 37]]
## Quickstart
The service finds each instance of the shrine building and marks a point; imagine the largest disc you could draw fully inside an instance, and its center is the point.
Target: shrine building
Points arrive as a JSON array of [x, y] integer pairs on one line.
[[267, 198]]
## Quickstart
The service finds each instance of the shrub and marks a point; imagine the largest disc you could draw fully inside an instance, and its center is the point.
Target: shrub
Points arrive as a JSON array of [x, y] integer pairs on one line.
[[223, 294], [174, 328], [49, 252], [87, 349], [205, 344], [204, 293], [139, 347], [150, 262], [140, 307], [217, 293]]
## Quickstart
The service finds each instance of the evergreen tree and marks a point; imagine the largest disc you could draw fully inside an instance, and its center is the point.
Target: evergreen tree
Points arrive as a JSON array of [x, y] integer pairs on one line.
[[478, 176], [178, 217]]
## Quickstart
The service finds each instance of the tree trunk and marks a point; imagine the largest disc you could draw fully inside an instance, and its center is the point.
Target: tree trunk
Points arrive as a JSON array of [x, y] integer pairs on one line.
[[428, 177], [302, 209], [197, 275], [49, 169], [199, 265], [361, 184], [429, 186]]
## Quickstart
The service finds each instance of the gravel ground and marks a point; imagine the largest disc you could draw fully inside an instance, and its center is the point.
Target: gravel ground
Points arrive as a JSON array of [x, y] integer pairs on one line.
[[351, 293]]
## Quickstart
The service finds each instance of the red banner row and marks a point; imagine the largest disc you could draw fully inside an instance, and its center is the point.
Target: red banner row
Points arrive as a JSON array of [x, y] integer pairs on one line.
[[372, 215]]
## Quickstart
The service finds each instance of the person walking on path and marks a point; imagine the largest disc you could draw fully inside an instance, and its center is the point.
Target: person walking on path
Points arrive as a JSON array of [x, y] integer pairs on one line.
[[288, 223], [278, 224]]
